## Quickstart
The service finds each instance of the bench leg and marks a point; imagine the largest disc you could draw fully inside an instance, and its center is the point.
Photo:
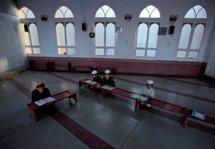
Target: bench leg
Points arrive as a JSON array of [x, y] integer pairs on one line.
[[136, 105], [80, 84], [75, 98], [185, 119]]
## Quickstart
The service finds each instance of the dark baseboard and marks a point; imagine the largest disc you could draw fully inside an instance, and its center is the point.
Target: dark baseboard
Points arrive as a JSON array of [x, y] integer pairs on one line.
[[130, 66]]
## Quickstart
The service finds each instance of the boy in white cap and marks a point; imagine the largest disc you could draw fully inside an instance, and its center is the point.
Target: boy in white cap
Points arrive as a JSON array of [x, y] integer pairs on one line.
[[40, 92], [108, 80], [148, 90], [96, 77]]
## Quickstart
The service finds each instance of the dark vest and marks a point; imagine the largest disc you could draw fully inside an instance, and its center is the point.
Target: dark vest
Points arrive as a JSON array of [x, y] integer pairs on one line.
[[109, 82], [36, 95]]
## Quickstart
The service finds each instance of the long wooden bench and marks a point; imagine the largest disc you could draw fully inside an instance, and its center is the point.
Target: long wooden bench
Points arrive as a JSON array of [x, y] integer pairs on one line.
[[61, 65], [34, 109], [183, 113], [100, 69], [38, 64]]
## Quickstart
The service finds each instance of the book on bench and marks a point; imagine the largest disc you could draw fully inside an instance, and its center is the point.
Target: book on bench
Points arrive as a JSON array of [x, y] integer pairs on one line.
[[91, 82], [198, 115], [139, 97], [107, 87], [44, 101]]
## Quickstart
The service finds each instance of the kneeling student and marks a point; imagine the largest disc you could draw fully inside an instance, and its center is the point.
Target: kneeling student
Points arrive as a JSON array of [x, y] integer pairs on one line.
[[40, 92], [107, 79]]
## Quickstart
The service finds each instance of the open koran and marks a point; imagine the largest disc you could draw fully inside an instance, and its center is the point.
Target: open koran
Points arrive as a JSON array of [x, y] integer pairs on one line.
[[107, 87], [139, 97], [44, 101], [198, 115], [91, 82]]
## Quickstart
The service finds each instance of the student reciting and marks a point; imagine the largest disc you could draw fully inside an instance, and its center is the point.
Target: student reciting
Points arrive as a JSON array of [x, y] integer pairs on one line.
[[96, 77], [107, 79], [41, 92]]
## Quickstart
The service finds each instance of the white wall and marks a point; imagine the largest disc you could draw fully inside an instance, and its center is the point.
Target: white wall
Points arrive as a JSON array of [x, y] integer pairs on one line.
[[125, 46], [11, 50]]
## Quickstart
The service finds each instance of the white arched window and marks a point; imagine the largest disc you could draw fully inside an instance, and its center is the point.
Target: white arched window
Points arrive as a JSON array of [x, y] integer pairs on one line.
[[105, 37], [192, 33], [196, 12], [65, 31], [29, 31], [150, 12], [64, 12], [147, 33], [25, 13]]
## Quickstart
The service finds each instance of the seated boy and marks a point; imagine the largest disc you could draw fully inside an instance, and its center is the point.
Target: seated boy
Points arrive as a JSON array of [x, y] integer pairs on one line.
[[40, 92], [148, 91], [96, 77], [107, 79]]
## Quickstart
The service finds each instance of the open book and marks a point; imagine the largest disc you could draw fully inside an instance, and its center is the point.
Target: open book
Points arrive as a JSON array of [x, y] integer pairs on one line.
[[107, 87], [91, 82], [198, 115], [44, 101], [139, 97]]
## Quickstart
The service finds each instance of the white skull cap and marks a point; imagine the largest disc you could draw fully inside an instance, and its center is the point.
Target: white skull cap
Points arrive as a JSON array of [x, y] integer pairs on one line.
[[38, 83], [150, 82], [94, 72], [107, 71]]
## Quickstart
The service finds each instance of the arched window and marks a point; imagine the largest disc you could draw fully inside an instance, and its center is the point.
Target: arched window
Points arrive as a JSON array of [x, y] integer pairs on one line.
[[65, 31], [29, 31], [25, 13], [150, 12], [147, 34], [192, 33], [105, 31], [64, 12], [196, 12], [105, 12]]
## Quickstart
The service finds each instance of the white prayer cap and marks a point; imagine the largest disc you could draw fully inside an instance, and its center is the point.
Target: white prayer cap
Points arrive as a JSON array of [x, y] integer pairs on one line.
[[107, 71], [150, 82], [94, 72], [39, 83]]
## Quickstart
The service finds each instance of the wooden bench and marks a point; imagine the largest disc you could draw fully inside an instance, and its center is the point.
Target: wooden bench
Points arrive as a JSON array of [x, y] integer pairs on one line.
[[206, 122], [38, 64], [62, 65], [100, 69], [115, 91], [76, 68], [182, 112], [33, 109]]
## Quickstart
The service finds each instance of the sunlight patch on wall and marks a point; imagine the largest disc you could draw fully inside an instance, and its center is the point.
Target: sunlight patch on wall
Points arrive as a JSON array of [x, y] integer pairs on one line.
[[4, 65]]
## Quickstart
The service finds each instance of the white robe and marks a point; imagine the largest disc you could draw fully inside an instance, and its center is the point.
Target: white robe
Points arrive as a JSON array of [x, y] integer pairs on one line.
[[148, 92]]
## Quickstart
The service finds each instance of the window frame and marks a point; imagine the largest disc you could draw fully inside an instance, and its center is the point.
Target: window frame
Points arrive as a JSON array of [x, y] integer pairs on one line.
[[105, 23], [193, 22], [28, 22], [64, 22], [65, 34], [148, 22]]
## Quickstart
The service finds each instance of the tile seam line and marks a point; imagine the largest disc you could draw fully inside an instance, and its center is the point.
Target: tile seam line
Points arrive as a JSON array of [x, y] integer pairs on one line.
[[132, 130]]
